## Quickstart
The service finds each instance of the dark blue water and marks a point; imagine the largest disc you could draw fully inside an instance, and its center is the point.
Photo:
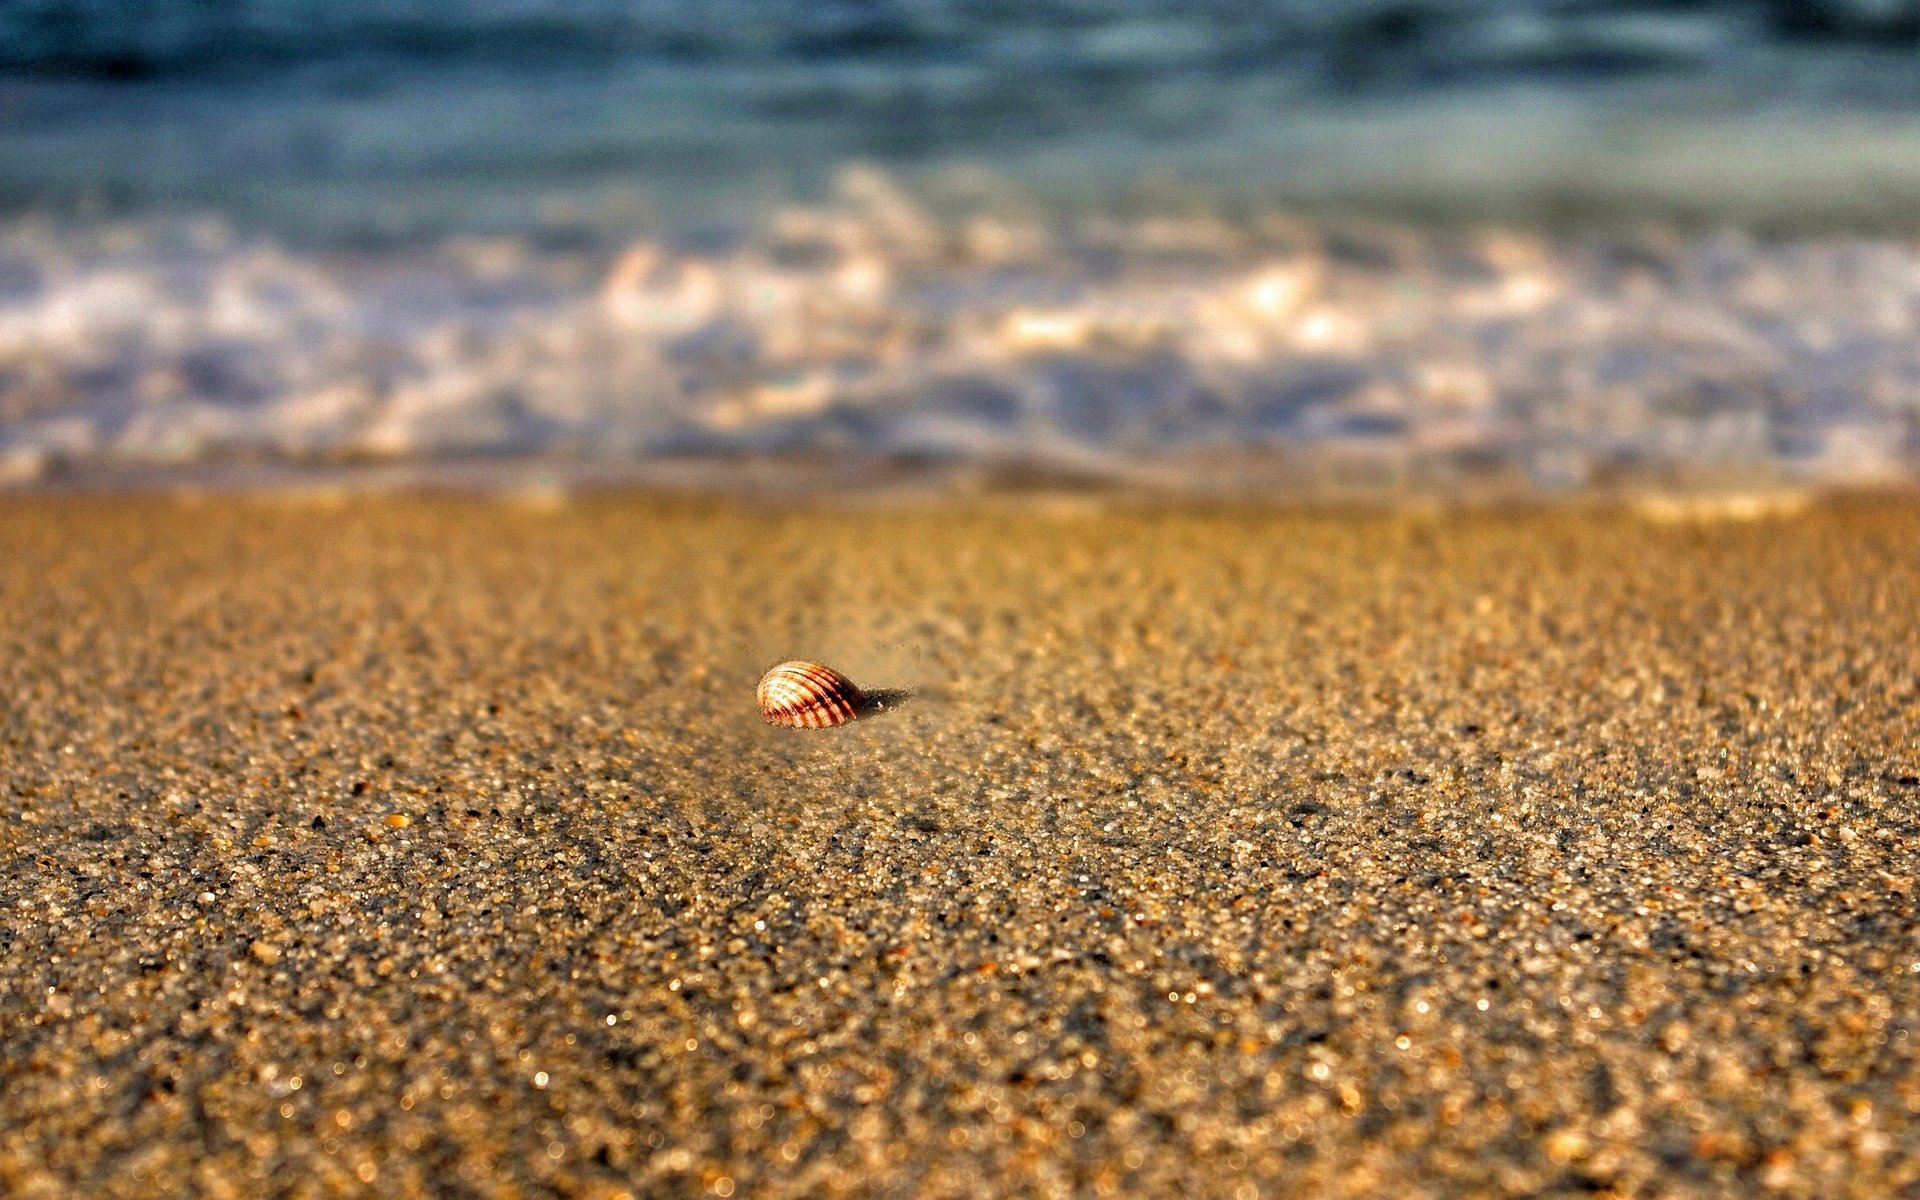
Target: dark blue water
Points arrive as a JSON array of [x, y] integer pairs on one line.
[[397, 118]]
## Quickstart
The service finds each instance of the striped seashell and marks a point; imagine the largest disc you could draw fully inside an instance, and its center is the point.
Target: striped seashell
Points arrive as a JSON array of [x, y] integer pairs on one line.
[[804, 695]]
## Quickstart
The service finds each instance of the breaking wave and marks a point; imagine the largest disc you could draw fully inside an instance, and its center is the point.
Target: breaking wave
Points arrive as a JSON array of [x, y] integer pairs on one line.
[[969, 323]]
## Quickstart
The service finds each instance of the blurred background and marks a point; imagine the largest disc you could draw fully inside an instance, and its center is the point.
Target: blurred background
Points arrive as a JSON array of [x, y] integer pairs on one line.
[[1186, 244]]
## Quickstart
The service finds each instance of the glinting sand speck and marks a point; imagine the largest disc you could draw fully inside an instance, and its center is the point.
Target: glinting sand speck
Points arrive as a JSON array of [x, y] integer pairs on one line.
[[414, 847]]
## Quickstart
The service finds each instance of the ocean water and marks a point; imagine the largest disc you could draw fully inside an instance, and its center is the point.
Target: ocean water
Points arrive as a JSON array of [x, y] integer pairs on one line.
[[1553, 240]]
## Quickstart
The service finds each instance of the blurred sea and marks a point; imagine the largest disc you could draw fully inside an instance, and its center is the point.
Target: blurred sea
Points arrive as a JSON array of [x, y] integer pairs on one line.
[[1562, 241]]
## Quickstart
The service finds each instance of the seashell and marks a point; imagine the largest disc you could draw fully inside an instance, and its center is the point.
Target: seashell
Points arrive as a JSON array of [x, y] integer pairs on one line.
[[805, 695]]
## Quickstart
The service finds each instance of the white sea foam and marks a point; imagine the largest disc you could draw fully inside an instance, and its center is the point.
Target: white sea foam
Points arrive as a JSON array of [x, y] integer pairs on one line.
[[970, 325]]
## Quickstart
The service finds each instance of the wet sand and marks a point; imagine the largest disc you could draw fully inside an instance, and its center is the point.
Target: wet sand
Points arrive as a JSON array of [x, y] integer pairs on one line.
[[424, 846]]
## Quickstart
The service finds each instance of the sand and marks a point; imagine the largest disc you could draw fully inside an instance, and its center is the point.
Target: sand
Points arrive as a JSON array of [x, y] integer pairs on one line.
[[431, 846]]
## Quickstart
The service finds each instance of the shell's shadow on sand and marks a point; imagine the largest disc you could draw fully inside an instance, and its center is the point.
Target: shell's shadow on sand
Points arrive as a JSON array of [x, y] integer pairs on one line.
[[884, 700]]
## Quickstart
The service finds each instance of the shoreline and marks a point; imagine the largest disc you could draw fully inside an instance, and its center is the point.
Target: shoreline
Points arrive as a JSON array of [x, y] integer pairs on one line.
[[1273, 483]]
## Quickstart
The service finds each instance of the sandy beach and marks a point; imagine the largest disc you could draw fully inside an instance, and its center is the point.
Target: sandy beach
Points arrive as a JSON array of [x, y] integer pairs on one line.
[[431, 846]]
